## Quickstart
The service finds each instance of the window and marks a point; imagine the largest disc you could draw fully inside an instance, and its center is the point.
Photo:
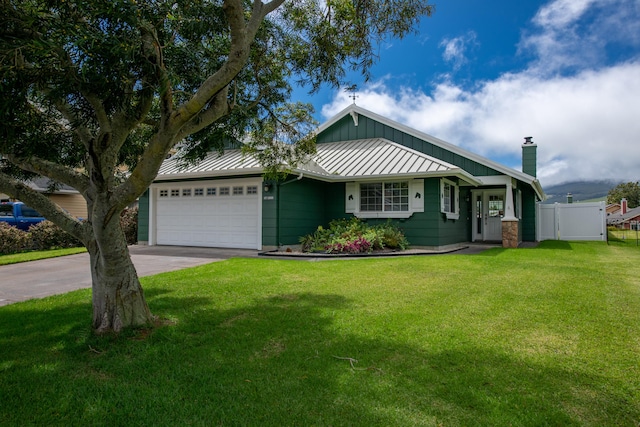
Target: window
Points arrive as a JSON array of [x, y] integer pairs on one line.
[[186, 192], [396, 197], [30, 212], [198, 192], [371, 197], [224, 191], [252, 189], [238, 191], [175, 192], [393, 199], [449, 195], [384, 197], [211, 191], [164, 193]]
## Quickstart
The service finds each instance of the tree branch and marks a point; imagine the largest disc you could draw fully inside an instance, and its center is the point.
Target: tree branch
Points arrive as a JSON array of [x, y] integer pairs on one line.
[[218, 108], [242, 36], [83, 133], [46, 207], [52, 170]]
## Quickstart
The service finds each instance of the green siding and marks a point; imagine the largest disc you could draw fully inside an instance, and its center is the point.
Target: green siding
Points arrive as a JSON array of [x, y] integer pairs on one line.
[[528, 215], [306, 204], [529, 159], [143, 217], [298, 208], [345, 130], [302, 209], [270, 216]]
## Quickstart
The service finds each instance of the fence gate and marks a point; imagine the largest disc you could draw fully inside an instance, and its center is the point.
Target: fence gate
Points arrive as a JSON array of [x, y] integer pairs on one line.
[[571, 221]]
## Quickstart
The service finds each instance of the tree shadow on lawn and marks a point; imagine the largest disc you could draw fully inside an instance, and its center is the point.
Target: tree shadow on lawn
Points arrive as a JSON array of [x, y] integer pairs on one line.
[[283, 360]]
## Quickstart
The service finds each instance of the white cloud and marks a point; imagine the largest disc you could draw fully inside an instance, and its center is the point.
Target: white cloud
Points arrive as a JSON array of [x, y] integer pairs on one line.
[[574, 34], [560, 13], [455, 49], [585, 123]]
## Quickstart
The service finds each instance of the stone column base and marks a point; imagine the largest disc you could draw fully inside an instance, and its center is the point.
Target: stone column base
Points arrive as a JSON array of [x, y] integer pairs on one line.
[[510, 235]]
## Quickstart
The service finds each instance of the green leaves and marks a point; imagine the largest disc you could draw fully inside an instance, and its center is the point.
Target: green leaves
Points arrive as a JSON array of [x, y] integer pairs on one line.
[[626, 190], [107, 79]]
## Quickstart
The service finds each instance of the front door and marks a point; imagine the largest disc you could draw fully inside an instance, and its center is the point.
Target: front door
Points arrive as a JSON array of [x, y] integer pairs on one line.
[[493, 214], [488, 212]]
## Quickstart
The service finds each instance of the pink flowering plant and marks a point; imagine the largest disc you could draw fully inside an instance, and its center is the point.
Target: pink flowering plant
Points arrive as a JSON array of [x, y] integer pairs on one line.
[[353, 236]]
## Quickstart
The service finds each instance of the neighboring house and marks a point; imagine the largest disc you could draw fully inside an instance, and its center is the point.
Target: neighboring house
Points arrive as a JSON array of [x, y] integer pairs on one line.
[[613, 208], [366, 166], [624, 217], [64, 196]]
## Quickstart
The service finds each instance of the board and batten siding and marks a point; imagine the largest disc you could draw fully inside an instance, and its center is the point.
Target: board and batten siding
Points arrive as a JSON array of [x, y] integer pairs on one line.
[[297, 208], [143, 218], [528, 223]]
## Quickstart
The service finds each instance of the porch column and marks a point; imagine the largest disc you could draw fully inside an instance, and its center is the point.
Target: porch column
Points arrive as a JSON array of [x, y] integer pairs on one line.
[[510, 235]]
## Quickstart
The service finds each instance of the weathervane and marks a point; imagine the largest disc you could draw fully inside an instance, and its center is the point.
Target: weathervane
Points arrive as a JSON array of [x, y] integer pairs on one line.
[[352, 89]]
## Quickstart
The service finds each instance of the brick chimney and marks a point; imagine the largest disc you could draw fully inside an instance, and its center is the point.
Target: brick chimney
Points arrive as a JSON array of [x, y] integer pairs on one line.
[[529, 156], [623, 206]]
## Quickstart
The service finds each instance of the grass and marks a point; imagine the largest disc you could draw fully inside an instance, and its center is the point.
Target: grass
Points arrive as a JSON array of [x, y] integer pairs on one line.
[[526, 337], [35, 255], [619, 236]]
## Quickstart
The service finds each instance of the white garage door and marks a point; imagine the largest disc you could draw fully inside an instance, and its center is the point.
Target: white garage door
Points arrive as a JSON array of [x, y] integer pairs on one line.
[[219, 214]]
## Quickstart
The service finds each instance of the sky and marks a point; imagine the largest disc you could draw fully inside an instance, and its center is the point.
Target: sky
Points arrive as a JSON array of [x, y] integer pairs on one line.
[[483, 75]]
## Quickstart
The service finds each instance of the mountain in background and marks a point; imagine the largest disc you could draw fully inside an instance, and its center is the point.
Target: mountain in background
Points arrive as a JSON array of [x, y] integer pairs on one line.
[[581, 190]]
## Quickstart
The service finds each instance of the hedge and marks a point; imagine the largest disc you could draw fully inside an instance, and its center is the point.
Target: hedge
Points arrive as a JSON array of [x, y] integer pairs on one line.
[[46, 235]]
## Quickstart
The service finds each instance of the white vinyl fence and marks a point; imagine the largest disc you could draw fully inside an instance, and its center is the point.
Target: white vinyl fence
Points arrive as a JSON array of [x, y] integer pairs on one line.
[[571, 221]]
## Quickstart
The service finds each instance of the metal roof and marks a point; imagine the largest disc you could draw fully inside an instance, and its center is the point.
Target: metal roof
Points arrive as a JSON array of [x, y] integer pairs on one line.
[[337, 161], [619, 218], [378, 157], [231, 162]]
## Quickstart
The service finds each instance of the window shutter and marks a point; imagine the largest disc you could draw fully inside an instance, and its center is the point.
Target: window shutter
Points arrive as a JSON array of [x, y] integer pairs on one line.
[[457, 198], [351, 197], [416, 195]]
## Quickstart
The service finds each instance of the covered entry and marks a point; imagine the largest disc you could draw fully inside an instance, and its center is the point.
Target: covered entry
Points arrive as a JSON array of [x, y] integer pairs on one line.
[[491, 208], [488, 211]]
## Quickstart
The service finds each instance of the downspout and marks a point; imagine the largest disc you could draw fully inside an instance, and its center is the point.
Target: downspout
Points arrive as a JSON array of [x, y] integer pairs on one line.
[[278, 185]]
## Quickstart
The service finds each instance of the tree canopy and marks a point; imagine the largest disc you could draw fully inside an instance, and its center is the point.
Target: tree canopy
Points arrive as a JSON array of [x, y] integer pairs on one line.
[[96, 93], [625, 190]]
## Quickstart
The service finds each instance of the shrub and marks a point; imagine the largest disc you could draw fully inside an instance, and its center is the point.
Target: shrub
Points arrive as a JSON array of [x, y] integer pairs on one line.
[[354, 236], [392, 237], [46, 235], [12, 239], [129, 223]]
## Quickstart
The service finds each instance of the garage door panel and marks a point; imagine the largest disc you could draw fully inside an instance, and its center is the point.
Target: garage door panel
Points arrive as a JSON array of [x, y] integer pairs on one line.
[[214, 221]]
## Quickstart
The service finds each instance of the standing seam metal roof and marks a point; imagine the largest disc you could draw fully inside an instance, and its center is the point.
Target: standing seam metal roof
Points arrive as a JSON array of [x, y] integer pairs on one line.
[[375, 156], [341, 160]]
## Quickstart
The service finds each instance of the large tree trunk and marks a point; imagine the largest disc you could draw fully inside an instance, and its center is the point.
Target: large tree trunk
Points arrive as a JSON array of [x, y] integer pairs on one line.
[[118, 299]]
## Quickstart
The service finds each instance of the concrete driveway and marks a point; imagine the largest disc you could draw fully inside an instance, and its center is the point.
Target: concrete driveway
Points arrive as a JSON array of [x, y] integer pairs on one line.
[[38, 279]]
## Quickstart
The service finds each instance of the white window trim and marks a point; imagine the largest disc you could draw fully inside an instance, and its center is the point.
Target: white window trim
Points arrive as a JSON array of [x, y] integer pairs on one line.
[[416, 190], [456, 213]]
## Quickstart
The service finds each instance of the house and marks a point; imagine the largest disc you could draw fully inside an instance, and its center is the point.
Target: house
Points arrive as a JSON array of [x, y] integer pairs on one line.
[[366, 166], [624, 218], [613, 208], [64, 196]]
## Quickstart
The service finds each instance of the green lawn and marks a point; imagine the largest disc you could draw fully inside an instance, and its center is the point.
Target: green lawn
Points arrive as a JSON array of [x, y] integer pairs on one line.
[[35, 255], [526, 337]]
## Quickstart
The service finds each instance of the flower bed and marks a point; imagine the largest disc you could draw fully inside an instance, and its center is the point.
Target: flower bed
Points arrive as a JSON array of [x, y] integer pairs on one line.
[[352, 236]]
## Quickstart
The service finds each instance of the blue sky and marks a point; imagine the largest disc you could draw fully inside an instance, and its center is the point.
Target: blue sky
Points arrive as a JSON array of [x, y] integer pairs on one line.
[[483, 75]]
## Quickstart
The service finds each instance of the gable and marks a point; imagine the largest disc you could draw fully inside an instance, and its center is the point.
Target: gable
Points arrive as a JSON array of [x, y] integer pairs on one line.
[[345, 130]]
